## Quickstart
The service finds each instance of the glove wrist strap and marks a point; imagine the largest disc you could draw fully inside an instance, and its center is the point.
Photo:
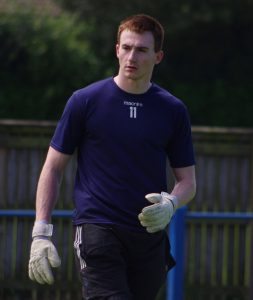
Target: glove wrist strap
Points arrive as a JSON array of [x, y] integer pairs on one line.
[[173, 199], [42, 229]]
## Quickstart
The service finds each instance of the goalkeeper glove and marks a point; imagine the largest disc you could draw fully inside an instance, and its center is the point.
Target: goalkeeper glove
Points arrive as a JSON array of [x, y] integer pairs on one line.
[[43, 254], [158, 215]]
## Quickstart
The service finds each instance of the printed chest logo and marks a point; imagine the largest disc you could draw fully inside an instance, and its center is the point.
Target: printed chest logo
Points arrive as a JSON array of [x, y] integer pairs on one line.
[[133, 108]]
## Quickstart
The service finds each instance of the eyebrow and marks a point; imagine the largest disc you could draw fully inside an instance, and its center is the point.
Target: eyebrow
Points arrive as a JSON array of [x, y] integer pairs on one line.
[[136, 47]]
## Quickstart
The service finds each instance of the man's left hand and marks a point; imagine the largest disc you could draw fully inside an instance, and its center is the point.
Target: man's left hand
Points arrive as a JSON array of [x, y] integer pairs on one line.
[[158, 215]]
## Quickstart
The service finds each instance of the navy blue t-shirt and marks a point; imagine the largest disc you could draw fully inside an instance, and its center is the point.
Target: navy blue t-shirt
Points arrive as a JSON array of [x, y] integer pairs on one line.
[[123, 141]]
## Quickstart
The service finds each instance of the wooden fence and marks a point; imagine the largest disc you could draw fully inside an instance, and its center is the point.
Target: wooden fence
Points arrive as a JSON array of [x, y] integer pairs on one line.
[[219, 261], [218, 253]]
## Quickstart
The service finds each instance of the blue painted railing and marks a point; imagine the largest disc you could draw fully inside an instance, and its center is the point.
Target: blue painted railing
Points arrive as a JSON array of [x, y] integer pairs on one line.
[[61, 213], [175, 282]]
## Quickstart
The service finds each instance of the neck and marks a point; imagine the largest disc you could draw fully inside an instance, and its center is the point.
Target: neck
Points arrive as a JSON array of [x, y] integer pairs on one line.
[[132, 86]]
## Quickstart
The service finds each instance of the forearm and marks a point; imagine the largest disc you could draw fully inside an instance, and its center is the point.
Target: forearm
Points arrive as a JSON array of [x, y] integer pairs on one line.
[[185, 185], [47, 193], [184, 191]]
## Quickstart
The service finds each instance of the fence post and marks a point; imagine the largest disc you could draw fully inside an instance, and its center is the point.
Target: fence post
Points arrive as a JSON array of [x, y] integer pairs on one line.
[[175, 282]]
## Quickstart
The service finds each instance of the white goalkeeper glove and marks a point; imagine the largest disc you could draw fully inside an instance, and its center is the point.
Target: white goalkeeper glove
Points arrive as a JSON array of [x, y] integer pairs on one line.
[[157, 216], [43, 254]]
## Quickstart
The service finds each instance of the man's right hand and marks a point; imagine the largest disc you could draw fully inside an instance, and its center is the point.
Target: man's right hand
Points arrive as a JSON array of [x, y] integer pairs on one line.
[[43, 255]]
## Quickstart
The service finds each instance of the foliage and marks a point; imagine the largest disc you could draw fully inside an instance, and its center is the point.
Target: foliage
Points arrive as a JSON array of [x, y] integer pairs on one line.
[[44, 56], [49, 48], [208, 51]]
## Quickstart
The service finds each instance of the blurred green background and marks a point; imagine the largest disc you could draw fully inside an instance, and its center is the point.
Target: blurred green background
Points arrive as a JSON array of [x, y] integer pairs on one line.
[[50, 48]]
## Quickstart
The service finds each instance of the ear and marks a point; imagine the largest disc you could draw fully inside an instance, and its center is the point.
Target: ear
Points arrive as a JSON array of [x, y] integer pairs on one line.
[[159, 57], [117, 50]]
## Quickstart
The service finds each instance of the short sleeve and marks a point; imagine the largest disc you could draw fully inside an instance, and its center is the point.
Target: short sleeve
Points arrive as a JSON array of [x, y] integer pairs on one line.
[[180, 148], [71, 126]]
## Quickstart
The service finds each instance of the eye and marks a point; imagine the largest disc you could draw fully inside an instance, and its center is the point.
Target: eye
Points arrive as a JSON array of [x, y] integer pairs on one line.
[[126, 47], [142, 49]]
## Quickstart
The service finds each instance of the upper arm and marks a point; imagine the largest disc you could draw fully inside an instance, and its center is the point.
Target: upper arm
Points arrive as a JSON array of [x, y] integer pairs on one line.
[[56, 160]]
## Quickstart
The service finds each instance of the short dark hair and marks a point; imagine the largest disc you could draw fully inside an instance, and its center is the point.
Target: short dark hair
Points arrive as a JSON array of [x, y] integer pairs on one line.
[[141, 23]]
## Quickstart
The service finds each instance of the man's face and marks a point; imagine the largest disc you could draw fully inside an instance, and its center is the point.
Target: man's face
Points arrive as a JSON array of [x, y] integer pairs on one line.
[[136, 55]]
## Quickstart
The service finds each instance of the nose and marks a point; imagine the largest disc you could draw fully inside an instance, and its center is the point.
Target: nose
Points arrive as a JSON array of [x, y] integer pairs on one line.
[[132, 55]]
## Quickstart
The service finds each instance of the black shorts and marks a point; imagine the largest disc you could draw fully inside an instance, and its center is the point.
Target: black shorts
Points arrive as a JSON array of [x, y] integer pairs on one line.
[[118, 264]]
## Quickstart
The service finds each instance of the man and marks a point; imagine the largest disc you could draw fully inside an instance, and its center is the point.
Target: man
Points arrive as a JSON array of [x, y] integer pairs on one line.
[[124, 128]]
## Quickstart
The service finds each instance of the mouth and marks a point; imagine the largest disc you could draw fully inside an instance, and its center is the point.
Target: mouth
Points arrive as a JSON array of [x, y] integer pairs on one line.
[[131, 68]]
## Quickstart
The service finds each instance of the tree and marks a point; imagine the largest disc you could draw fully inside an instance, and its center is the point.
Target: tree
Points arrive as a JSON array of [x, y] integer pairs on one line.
[[208, 51], [44, 56], [49, 49]]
